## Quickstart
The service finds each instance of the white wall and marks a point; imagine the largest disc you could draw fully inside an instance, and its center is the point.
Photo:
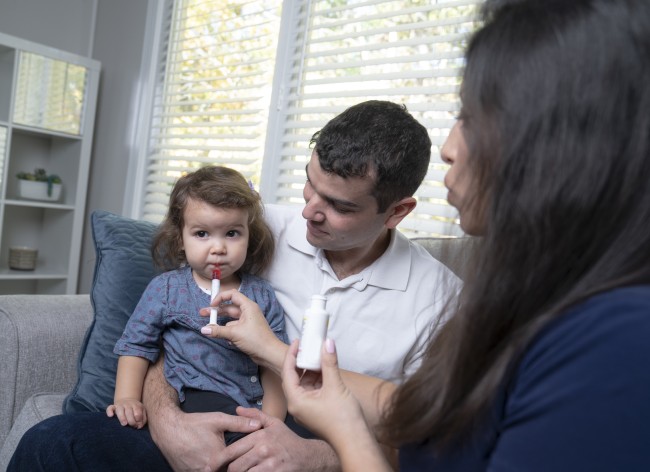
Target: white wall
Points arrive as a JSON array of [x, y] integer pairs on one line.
[[118, 45], [61, 24], [111, 31]]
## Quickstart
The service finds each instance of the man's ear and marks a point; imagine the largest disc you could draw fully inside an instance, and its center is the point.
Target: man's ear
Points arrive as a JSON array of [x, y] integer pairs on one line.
[[398, 211]]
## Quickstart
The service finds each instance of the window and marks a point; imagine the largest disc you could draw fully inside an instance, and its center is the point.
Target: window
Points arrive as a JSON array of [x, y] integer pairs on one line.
[[246, 84]]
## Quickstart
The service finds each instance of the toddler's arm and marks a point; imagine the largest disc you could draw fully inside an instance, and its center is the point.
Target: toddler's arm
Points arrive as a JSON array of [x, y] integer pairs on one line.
[[128, 406]]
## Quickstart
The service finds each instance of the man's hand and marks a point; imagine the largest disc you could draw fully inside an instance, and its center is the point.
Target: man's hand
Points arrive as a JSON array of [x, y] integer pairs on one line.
[[250, 331], [197, 443], [275, 448], [189, 441]]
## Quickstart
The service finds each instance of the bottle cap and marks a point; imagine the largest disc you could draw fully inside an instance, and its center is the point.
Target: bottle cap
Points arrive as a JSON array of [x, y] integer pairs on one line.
[[318, 301]]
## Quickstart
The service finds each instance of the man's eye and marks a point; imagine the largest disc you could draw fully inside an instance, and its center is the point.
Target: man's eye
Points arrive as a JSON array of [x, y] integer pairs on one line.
[[342, 211]]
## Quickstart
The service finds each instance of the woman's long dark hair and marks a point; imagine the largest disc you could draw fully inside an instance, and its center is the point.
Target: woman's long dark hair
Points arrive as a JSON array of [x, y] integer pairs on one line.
[[556, 114]]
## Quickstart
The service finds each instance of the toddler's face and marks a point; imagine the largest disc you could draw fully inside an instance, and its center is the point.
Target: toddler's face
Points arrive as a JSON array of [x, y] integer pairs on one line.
[[214, 236]]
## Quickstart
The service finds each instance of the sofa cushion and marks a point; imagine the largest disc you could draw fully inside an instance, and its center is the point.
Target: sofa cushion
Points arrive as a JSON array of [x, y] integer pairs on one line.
[[123, 268], [36, 409], [455, 253]]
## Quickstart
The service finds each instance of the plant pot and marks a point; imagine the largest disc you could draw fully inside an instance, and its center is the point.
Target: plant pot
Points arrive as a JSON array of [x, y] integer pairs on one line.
[[34, 190]]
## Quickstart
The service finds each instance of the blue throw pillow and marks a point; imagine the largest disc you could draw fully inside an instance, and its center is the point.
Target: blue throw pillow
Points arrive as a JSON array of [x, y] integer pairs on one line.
[[123, 269]]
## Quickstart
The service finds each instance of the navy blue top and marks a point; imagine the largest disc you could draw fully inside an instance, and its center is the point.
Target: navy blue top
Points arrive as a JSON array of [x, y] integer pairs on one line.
[[169, 310], [579, 399]]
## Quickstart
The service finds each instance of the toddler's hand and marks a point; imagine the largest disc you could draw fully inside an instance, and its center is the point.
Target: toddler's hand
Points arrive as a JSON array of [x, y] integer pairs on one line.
[[129, 411]]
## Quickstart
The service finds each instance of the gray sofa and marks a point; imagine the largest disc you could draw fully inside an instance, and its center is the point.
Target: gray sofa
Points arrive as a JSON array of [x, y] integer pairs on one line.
[[40, 338]]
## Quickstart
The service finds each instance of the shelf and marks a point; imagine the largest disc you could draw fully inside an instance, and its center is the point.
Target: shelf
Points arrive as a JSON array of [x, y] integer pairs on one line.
[[56, 154], [43, 132], [47, 108], [39, 204], [12, 285], [36, 274]]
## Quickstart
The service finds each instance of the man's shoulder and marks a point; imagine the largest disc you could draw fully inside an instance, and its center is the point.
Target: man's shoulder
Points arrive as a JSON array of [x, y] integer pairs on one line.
[[280, 213], [287, 225]]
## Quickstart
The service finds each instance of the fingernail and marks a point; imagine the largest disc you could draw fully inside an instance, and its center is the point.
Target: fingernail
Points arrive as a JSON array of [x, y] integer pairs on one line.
[[329, 346], [206, 330], [255, 423]]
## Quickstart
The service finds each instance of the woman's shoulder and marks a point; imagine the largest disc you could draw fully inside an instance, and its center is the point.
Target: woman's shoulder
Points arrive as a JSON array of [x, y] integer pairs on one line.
[[604, 322], [602, 339], [577, 384], [623, 310]]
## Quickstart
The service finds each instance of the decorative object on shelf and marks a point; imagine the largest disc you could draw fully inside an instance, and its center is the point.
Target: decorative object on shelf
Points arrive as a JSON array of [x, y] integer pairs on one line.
[[22, 258], [39, 185]]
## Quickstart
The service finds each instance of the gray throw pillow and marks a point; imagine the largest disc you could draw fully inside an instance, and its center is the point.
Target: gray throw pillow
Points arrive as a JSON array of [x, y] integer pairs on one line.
[[123, 269]]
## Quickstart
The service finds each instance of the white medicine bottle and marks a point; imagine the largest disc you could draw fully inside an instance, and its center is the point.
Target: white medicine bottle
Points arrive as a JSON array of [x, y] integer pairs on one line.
[[314, 331]]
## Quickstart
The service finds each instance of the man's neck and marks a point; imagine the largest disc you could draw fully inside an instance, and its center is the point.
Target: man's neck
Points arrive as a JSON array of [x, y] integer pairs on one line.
[[352, 261]]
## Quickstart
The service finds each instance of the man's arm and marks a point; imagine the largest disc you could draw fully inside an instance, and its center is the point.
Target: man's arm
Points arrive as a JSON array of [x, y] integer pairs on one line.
[[188, 441], [195, 441]]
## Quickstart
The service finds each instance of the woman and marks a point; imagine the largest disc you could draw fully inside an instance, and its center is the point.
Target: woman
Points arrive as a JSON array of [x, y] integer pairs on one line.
[[544, 365]]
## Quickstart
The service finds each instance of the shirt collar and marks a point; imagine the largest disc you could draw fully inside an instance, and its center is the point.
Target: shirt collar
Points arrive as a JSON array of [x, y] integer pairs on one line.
[[297, 236], [390, 271]]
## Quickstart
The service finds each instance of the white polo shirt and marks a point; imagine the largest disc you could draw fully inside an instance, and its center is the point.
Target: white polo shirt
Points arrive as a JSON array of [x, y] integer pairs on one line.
[[376, 315]]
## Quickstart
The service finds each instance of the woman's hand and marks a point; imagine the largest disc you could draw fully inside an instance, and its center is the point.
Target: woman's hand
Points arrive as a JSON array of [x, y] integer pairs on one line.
[[249, 331], [320, 401], [325, 405]]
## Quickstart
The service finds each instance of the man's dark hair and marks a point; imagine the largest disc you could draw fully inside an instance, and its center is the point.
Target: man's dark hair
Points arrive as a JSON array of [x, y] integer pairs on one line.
[[379, 139]]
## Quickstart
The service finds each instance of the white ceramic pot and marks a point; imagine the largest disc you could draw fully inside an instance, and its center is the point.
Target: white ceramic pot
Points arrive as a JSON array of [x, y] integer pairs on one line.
[[33, 190]]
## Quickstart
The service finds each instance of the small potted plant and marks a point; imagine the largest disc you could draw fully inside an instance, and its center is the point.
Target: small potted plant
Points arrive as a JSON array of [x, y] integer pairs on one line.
[[39, 185]]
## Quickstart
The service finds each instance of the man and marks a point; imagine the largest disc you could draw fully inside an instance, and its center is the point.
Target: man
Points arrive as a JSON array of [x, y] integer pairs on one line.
[[382, 292]]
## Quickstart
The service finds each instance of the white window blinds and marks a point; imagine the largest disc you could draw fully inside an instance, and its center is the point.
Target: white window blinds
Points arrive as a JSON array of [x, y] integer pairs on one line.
[[215, 87], [222, 72]]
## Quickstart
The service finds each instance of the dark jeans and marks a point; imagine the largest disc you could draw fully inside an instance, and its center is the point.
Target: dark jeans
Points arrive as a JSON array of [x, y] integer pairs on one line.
[[93, 442], [86, 442], [199, 401]]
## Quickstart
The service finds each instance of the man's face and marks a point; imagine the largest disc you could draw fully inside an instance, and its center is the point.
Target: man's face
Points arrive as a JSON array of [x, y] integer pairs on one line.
[[341, 213]]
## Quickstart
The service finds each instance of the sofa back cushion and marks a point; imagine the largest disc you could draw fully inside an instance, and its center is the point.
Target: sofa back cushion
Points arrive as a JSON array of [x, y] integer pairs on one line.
[[455, 253], [123, 268]]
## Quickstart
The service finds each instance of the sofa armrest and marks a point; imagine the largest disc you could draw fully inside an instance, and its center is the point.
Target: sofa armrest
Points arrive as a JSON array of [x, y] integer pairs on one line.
[[40, 338]]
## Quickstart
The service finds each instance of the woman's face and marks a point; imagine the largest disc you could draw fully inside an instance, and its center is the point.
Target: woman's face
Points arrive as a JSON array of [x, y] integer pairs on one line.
[[460, 181]]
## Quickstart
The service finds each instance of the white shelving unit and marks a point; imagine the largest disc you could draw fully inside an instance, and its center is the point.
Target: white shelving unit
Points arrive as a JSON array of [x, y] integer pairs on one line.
[[47, 113]]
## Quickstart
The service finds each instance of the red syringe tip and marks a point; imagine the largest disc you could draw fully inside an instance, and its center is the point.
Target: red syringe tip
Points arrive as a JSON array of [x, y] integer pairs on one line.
[[216, 274]]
